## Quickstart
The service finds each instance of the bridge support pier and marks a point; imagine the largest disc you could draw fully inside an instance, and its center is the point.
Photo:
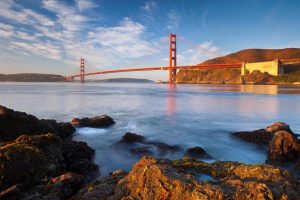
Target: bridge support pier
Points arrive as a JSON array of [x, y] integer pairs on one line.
[[173, 59], [82, 70]]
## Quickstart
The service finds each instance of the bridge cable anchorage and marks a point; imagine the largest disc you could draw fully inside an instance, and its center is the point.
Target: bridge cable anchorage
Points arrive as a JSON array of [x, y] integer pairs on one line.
[[206, 50]]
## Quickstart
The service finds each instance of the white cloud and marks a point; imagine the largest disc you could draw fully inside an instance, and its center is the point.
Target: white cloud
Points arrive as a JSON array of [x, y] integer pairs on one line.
[[125, 40], [149, 6], [41, 48], [173, 20], [101, 46], [85, 5], [10, 10]]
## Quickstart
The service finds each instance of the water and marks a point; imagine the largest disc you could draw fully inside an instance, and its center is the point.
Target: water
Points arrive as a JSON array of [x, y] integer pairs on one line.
[[187, 115]]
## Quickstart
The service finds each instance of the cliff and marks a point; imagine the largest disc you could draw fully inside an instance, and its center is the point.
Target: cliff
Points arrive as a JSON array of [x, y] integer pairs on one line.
[[30, 77], [232, 76]]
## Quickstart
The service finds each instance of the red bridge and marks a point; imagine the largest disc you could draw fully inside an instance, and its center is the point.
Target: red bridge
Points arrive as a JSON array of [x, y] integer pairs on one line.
[[172, 68]]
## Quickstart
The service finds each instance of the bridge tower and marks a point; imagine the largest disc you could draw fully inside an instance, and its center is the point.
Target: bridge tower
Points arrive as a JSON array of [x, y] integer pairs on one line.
[[82, 70], [173, 59]]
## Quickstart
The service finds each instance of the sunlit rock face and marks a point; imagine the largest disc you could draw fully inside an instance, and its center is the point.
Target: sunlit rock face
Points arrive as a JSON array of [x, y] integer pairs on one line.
[[165, 179]]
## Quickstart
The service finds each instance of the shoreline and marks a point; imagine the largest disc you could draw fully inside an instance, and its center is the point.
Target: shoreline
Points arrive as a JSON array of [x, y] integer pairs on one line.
[[81, 182]]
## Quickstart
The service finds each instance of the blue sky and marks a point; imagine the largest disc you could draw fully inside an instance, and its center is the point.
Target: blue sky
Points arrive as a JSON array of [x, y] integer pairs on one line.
[[50, 36]]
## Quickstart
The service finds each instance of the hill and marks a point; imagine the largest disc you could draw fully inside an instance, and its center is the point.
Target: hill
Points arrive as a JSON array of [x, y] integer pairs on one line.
[[256, 55], [30, 77], [232, 76]]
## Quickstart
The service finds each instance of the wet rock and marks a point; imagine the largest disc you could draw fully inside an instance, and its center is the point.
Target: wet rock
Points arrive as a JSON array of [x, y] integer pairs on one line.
[[253, 190], [101, 121], [149, 179], [78, 157], [28, 159], [197, 152], [14, 123], [101, 189], [165, 148], [265, 180], [262, 136], [12, 193], [283, 147], [132, 138], [59, 188], [141, 151]]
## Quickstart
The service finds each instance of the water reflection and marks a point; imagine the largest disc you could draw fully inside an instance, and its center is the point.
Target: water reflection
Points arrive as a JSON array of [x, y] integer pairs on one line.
[[260, 89], [171, 100]]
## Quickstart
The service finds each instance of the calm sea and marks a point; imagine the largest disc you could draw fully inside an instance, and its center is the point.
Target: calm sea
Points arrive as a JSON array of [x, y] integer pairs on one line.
[[187, 115]]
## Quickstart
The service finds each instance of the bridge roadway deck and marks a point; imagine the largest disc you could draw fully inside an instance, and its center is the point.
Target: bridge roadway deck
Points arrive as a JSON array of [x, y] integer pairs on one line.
[[234, 65]]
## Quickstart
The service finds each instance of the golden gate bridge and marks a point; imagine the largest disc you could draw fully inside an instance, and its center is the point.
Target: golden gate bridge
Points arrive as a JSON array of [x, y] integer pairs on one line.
[[172, 67]]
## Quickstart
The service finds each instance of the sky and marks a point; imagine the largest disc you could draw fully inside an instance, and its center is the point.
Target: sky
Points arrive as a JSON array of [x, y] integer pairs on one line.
[[50, 36]]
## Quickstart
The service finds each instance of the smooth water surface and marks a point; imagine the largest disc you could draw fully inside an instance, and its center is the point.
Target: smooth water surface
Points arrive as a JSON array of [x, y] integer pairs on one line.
[[186, 115]]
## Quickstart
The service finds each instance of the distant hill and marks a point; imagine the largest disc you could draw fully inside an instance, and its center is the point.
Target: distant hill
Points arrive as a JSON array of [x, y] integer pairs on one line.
[[30, 77], [123, 80], [233, 76], [256, 55]]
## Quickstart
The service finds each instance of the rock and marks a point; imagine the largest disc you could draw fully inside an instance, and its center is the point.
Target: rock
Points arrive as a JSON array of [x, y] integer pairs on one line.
[[141, 151], [101, 189], [149, 179], [283, 147], [78, 157], [12, 193], [14, 123], [101, 121], [241, 181], [196, 152], [59, 188], [253, 190], [165, 148], [132, 138], [262, 136], [28, 159]]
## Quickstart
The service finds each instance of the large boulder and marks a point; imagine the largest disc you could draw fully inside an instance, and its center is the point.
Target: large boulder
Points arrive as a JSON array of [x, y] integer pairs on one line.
[[283, 147], [28, 159], [101, 121], [129, 138], [262, 136], [243, 181], [197, 152], [150, 179], [14, 123], [78, 157]]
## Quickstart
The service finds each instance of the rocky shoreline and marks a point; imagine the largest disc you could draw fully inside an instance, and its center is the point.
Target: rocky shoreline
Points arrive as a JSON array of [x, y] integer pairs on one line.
[[39, 160]]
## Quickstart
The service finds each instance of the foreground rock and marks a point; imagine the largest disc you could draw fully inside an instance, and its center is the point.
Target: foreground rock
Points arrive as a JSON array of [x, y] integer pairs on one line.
[[14, 123], [101, 189], [283, 147], [101, 121], [196, 152], [28, 159], [165, 179], [78, 157], [263, 136], [59, 188]]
